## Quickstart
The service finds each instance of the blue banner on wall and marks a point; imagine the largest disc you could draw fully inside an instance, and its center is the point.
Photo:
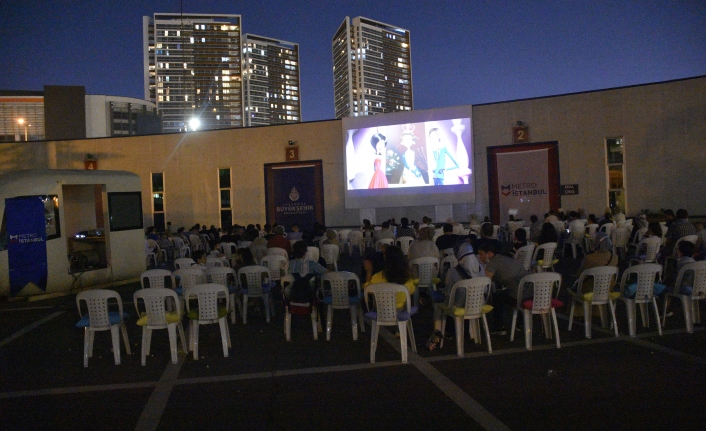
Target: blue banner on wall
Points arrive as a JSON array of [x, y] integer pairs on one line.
[[27, 242], [295, 195]]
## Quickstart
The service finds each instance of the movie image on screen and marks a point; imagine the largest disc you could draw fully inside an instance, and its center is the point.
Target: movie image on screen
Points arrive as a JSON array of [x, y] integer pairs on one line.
[[425, 162]]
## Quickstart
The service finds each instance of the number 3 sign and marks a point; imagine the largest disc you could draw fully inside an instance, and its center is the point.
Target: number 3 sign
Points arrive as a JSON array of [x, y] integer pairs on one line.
[[291, 154]]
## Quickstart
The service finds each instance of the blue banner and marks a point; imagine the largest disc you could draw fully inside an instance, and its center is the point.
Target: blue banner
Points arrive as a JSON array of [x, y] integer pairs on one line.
[[27, 242], [295, 196]]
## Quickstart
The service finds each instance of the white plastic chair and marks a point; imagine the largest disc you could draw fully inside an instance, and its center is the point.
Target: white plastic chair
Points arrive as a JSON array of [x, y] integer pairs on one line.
[[589, 235], [184, 262], [524, 254], [298, 308], [386, 314], [604, 277], [541, 303], [548, 260], [151, 250], [212, 261], [403, 243], [689, 301], [380, 242], [336, 297], [637, 238], [607, 228], [355, 239], [179, 246], [255, 283], [690, 238], [157, 278], [100, 319], [576, 238], [278, 265], [278, 251], [652, 245], [313, 253], [226, 277], [157, 316], [247, 244], [330, 254], [228, 248], [344, 238], [190, 277], [207, 312], [620, 237], [258, 252], [475, 309], [647, 274], [447, 262], [427, 271]]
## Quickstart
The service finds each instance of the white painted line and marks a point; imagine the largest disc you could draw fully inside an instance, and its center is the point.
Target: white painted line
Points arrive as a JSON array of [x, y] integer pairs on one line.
[[154, 409], [43, 307], [283, 373], [28, 328], [472, 407], [76, 390]]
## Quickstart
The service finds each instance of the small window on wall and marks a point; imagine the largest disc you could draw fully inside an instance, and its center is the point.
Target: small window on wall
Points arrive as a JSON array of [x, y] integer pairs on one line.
[[615, 173], [226, 206], [158, 201]]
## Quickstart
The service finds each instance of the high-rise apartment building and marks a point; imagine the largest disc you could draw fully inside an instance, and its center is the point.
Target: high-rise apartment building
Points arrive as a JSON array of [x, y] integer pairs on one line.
[[192, 69], [271, 90], [372, 68]]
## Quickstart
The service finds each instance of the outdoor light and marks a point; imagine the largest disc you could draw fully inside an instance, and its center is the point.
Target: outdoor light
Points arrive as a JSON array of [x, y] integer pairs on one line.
[[291, 142], [21, 122], [194, 123]]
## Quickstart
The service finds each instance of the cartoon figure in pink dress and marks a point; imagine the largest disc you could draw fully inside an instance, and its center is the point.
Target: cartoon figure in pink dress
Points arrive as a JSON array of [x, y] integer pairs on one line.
[[379, 180]]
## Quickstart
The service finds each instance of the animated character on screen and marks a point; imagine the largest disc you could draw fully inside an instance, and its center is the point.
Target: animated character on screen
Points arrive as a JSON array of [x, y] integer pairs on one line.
[[411, 175], [440, 154], [379, 180]]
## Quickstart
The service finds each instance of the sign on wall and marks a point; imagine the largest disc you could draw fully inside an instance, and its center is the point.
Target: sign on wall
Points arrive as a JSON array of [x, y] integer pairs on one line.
[[523, 178], [27, 243], [294, 194], [569, 189]]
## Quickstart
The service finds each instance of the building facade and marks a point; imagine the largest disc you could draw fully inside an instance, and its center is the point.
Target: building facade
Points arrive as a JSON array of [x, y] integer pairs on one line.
[[21, 116], [192, 70], [44, 115], [372, 68], [271, 86], [120, 116]]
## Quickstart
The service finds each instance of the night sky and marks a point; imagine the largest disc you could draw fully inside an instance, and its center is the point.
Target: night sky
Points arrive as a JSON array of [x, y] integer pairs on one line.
[[463, 52]]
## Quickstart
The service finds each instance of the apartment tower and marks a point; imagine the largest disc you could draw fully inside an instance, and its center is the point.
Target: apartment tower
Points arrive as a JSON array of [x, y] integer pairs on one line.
[[192, 70], [271, 90], [372, 68]]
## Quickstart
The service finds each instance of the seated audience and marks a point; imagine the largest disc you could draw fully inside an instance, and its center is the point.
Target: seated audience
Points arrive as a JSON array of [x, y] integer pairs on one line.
[[395, 270]]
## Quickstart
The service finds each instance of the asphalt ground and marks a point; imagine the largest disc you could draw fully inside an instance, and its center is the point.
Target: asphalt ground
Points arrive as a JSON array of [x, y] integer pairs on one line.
[[267, 383]]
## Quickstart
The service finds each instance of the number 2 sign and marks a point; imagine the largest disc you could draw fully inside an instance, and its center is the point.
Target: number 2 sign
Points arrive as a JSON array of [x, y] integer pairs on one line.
[[520, 135]]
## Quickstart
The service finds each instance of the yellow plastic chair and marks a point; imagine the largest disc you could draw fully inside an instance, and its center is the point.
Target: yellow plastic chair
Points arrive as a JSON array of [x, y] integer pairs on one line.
[[475, 309], [156, 303]]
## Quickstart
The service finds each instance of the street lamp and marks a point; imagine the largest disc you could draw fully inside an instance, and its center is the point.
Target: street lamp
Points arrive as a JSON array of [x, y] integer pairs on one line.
[[194, 123], [22, 122]]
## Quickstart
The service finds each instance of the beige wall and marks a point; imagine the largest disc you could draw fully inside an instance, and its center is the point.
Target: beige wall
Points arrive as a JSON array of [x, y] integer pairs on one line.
[[664, 131], [663, 126]]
